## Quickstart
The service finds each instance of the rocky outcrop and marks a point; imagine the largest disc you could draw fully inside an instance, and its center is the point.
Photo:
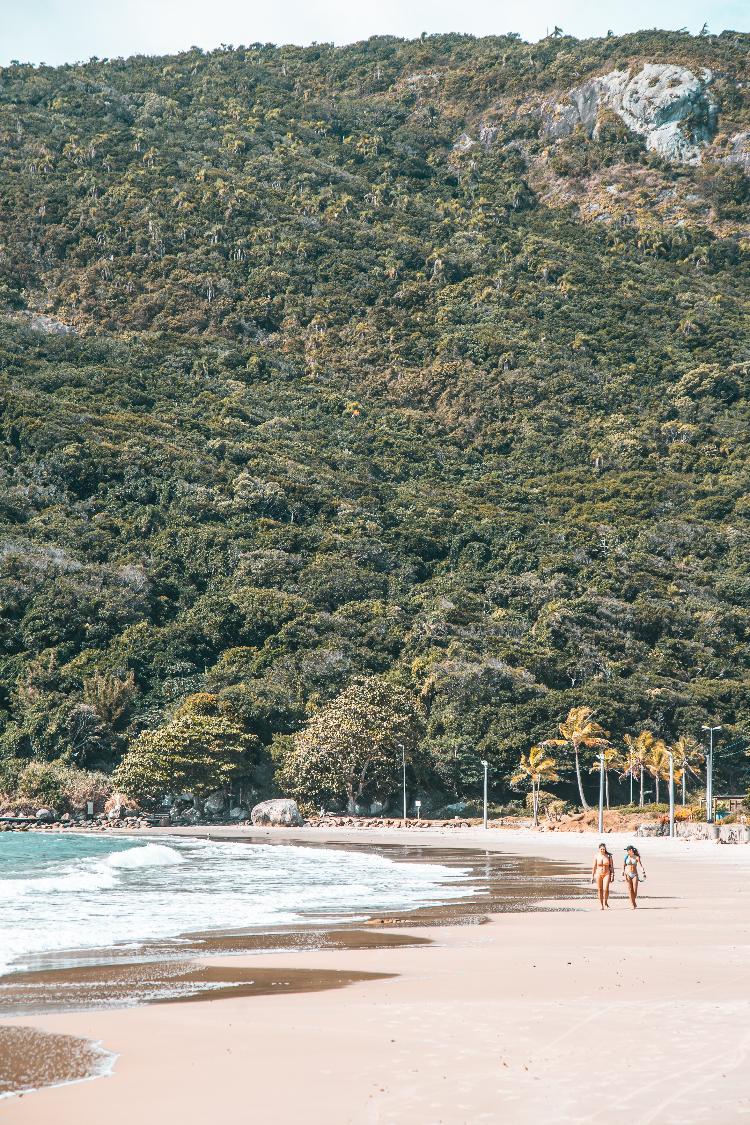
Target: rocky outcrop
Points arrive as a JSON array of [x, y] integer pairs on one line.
[[738, 151], [464, 143], [281, 813], [46, 816], [670, 107]]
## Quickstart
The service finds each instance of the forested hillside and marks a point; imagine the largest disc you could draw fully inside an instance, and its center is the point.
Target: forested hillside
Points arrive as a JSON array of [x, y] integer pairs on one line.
[[382, 359]]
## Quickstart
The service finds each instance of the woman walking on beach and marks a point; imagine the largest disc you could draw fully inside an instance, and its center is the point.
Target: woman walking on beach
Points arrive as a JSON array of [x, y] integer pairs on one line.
[[604, 872], [630, 872]]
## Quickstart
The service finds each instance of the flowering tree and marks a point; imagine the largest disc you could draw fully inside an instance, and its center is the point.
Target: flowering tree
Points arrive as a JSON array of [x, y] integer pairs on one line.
[[354, 744], [201, 748]]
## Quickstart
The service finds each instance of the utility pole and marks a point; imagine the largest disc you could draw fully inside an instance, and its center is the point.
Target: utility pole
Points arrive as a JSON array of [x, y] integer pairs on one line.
[[485, 764], [671, 792], [710, 774], [601, 792], [403, 763]]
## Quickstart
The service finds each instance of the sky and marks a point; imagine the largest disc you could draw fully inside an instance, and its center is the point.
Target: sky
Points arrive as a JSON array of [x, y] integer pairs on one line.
[[59, 31]]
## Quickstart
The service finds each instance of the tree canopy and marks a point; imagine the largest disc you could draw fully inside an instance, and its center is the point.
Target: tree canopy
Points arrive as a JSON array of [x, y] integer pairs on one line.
[[199, 750]]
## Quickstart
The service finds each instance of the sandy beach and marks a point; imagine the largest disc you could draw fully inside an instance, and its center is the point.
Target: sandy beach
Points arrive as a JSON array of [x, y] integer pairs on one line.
[[569, 1015]]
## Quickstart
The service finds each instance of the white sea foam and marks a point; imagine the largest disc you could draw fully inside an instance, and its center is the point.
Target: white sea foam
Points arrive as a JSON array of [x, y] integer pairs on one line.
[[79, 892], [150, 855]]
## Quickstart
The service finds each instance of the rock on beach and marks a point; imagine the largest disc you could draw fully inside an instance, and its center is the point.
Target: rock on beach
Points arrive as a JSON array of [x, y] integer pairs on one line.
[[280, 813]]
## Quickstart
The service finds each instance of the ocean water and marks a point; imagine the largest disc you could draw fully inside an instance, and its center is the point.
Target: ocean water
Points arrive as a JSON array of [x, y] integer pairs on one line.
[[67, 892]]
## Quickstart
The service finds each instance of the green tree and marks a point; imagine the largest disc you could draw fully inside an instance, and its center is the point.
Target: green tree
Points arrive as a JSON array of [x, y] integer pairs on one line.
[[657, 764], [579, 729], [200, 749], [536, 767], [688, 759], [352, 746], [639, 748], [612, 761]]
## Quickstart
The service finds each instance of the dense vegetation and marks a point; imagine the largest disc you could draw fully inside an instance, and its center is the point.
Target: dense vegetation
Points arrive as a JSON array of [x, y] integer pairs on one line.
[[339, 397]]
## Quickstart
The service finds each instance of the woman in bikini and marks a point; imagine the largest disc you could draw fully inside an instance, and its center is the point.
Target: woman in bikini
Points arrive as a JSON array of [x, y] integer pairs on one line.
[[630, 872], [603, 872]]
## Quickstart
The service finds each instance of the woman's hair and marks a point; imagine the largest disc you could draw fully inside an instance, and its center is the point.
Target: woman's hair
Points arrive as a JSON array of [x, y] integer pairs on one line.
[[606, 849], [634, 849]]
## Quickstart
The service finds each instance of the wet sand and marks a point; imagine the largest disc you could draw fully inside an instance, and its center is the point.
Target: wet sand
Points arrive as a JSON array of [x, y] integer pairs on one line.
[[527, 1016], [30, 1059], [164, 970]]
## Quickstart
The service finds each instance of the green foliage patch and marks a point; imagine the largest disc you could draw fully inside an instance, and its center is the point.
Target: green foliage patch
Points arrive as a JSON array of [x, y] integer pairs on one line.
[[342, 400]]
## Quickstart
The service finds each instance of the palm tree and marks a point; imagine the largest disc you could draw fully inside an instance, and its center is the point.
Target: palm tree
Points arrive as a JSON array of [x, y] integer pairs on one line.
[[639, 748], [657, 763], [687, 753], [536, 767], [612, 761], [579, 729]]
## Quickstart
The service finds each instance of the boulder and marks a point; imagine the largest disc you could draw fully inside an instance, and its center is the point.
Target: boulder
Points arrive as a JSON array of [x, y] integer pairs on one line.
[[215, 803], [46, 816], [191, 816], [281, 813], [237, 812]]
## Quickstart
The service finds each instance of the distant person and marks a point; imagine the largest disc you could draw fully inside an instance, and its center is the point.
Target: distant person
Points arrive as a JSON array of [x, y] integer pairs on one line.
[[630, 872], [603, 872]]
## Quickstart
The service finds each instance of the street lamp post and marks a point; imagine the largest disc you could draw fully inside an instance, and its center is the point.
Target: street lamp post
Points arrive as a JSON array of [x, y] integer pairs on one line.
[[710, 774], [403, 764], [601, 792], [485, 764], [671, 792]]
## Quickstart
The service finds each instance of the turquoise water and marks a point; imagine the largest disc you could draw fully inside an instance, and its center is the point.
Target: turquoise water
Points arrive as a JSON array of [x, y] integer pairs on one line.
[[67, 892]]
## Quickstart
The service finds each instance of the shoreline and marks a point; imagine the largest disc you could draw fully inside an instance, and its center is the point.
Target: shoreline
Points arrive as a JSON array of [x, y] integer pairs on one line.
[[173, 968], [484, 1023]]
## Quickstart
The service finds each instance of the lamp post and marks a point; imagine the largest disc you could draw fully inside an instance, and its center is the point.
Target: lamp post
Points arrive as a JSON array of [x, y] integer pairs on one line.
[[485, 764], [601, 792], [710, 774], [403, 764], [671, 792]]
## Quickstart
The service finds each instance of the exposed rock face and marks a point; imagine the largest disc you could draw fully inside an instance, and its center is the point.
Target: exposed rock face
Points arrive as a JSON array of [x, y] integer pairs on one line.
[[46, 816], [667, 105], [739, 151], [281, 813], [464, 143]]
